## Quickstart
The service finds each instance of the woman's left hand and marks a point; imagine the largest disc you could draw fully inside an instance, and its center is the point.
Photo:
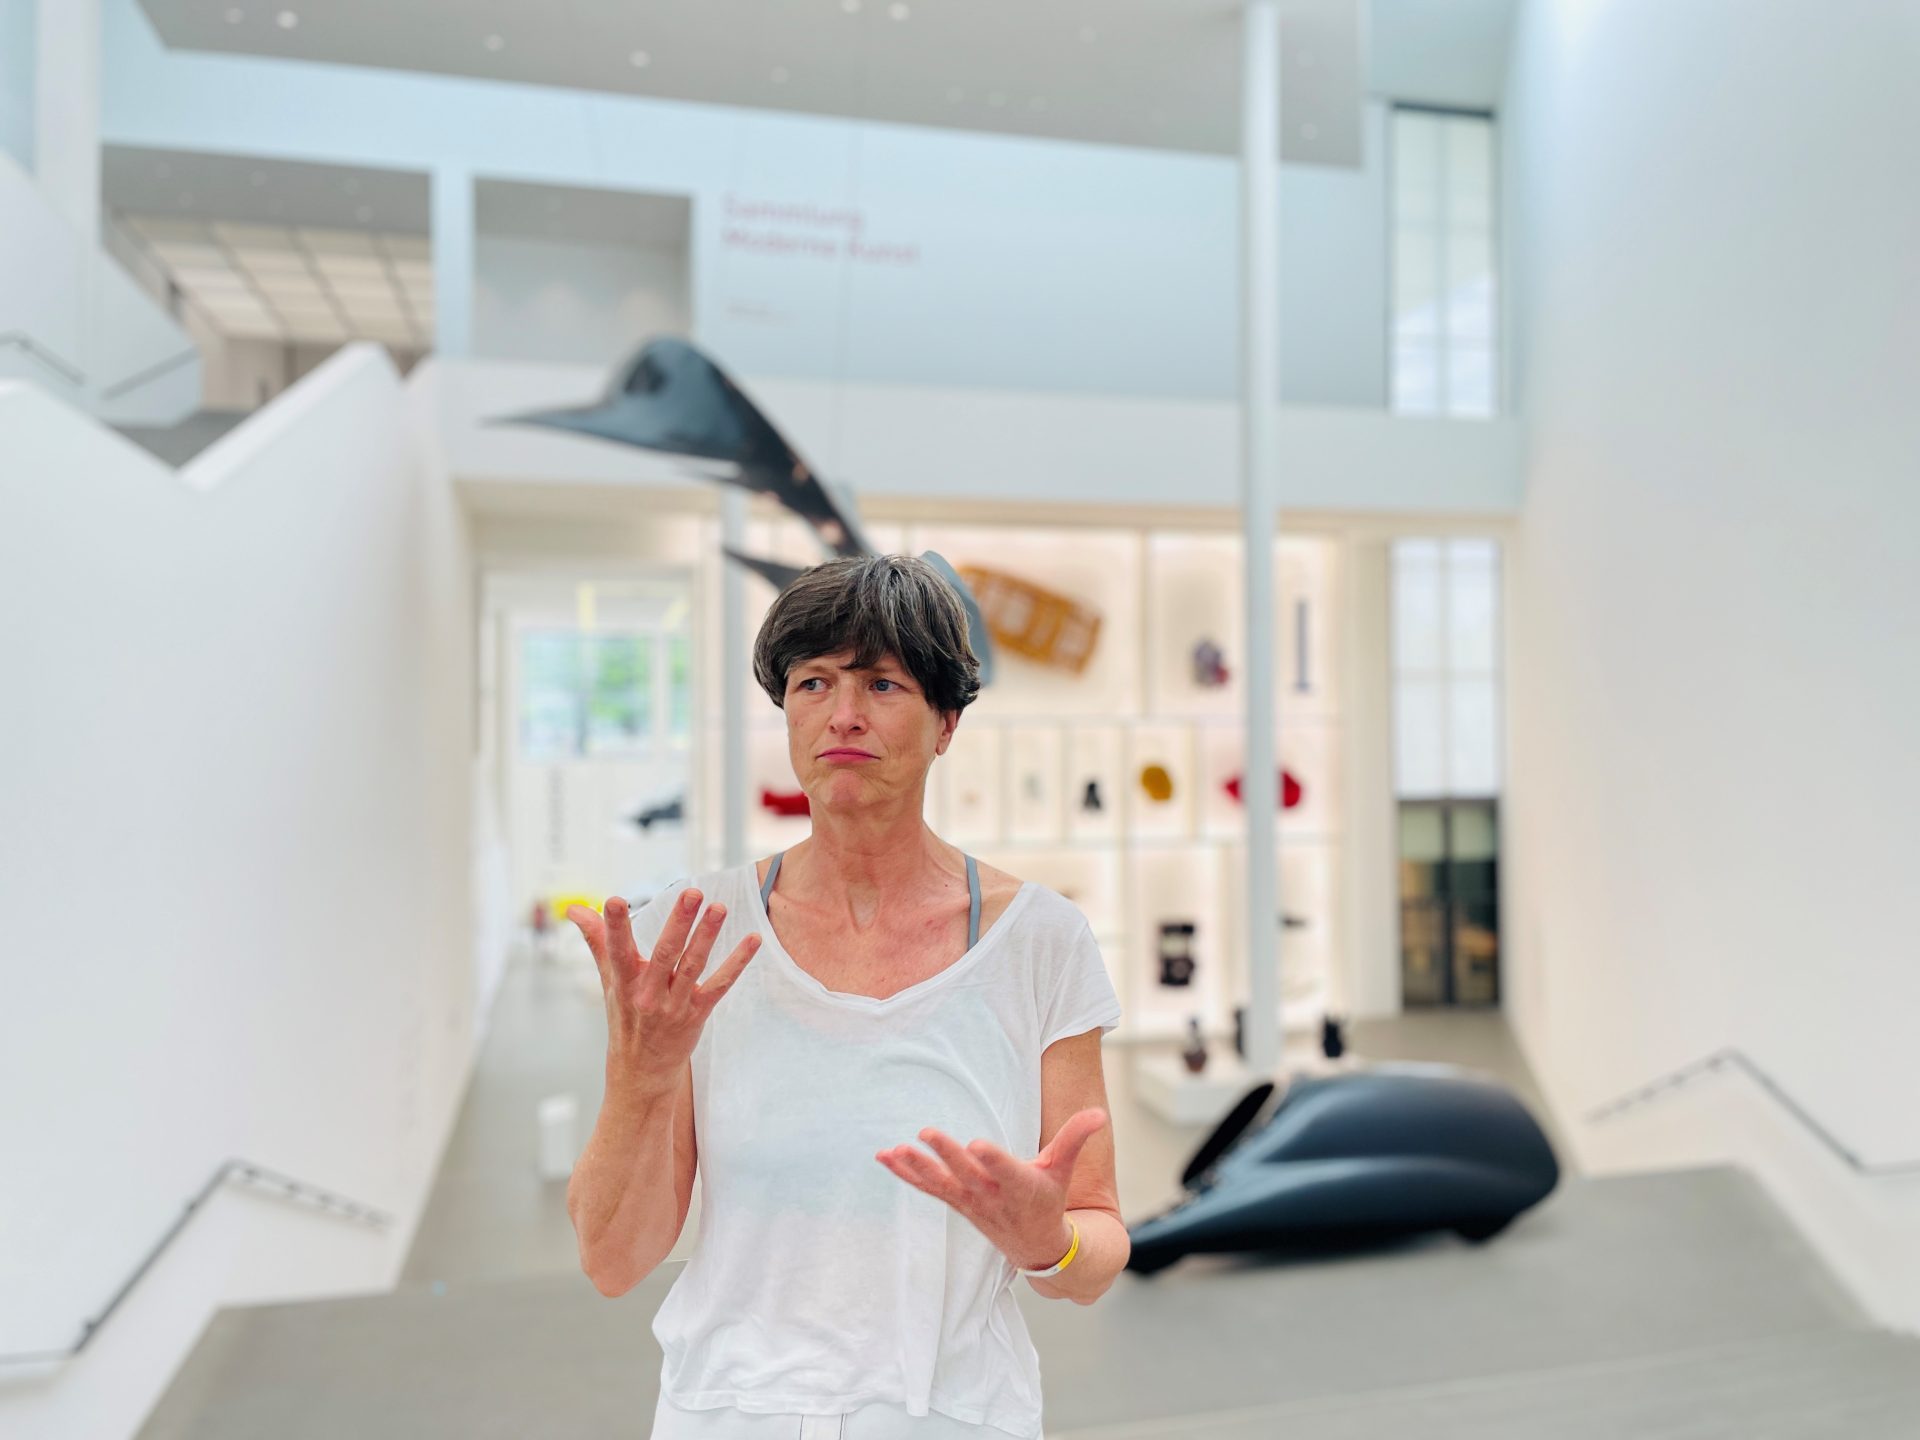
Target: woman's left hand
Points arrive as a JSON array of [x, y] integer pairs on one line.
[[1020, 1205]]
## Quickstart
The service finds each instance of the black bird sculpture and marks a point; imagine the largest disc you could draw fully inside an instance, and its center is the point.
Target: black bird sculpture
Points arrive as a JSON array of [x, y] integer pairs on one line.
[[672, 399]]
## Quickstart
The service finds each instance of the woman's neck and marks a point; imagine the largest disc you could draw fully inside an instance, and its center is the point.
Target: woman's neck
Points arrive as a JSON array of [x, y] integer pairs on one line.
[[859, 872]]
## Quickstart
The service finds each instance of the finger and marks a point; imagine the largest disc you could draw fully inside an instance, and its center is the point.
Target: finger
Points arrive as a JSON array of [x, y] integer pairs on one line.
[[693, 959], [923, 1172], [709, 994], [1063, 1151], [673, 937], [965, 1166], [593, 929]]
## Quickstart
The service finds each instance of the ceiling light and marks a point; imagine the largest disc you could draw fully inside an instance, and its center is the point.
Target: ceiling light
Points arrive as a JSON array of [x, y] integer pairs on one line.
[[779, 74], [495, 42], [286, 19], [898, 11], [639, 59]]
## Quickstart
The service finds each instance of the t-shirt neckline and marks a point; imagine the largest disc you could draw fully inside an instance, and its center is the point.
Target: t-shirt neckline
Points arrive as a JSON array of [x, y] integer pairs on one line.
[[874, 1002]]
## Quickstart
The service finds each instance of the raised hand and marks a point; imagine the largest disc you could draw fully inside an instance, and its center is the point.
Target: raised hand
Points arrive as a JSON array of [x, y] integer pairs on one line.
[[656, 1006], [1020, 1205]]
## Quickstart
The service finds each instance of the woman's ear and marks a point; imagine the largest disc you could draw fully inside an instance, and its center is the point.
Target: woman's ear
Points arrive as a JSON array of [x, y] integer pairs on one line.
[[949, 722]]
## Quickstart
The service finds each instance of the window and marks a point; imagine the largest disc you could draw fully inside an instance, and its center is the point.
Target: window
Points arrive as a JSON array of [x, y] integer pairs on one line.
[[1445, 300], [602, 694], [1446, 668]]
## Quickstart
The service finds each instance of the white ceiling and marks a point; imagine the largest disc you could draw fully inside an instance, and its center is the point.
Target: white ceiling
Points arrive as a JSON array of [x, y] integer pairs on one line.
[[1156, 73]]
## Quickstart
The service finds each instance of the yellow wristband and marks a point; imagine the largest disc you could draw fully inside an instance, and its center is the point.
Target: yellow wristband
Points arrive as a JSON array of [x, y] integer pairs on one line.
[[1065, 1260]]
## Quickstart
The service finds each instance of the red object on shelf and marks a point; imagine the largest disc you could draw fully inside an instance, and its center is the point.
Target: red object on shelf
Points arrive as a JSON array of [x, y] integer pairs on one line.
[[791, 802], [1290, 791]]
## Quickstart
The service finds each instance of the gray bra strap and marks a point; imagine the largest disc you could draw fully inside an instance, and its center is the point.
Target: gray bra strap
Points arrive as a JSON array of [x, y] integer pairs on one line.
[[973, 894], [973, 902]]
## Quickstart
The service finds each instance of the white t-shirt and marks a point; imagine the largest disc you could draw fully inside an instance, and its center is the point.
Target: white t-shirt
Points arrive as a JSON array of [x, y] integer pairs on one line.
[[819, 1280]]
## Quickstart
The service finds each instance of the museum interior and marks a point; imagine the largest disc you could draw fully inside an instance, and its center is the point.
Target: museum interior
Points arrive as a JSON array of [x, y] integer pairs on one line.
[[1469, 401]]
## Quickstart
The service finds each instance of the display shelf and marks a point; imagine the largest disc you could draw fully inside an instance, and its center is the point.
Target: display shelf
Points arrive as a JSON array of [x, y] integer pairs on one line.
[[1163, 1084], [1013, 787]]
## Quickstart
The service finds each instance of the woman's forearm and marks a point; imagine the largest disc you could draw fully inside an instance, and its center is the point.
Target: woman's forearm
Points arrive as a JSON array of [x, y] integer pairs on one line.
[[622, 1197], [1104, 1248]]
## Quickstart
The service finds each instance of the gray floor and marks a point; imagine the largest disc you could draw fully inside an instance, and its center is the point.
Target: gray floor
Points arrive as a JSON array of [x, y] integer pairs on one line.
[[1667, 1305]]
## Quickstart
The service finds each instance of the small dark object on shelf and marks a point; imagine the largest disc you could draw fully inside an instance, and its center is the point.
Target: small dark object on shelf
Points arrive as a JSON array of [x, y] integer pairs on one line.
[[1176, 952], [1333, 1040], [1090, 802], [1195, 1054]]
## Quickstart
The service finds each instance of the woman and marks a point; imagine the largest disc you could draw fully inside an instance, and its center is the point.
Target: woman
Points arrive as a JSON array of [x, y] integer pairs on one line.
[[907, 992]]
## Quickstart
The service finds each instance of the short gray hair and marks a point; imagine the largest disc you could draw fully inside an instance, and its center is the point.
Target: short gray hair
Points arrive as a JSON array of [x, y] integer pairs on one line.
[[873, 605]]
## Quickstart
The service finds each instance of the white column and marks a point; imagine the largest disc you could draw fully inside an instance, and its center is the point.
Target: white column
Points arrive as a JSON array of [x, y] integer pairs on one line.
[[1259, 397], [66, 111], [734, 663], [452, 242]]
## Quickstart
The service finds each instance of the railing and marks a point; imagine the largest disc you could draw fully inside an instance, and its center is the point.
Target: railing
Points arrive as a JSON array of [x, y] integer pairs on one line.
[[67, 371], [1736, 1059], [152, 372], [76, 377], [246, 1170]]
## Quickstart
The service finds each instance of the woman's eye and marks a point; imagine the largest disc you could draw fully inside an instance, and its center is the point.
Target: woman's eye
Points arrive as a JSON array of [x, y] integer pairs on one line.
[[885, 682]]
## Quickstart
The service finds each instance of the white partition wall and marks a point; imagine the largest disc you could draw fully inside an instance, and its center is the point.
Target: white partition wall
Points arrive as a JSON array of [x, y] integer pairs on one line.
[[235, 855]]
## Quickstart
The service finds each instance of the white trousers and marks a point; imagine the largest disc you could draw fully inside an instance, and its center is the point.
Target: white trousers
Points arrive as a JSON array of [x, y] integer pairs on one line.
[[880, 1421]]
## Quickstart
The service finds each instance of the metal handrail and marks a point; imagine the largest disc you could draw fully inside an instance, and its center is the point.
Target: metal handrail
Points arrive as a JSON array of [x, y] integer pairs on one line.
[[247, 1170], [72, 373], [152, 372], [1732, 1057]]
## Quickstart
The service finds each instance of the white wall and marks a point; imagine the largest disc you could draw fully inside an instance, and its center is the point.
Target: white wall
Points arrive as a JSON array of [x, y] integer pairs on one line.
[[570, 301], [17, 31], [1715, 681], [966, 444], [234, 867], [985, 261]]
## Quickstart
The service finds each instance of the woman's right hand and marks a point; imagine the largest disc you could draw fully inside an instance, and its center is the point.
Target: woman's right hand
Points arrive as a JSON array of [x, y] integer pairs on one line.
[[656, 1006]]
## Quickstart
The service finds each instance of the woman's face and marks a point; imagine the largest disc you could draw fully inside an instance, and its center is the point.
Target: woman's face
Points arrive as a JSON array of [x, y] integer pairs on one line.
[[861, 738]]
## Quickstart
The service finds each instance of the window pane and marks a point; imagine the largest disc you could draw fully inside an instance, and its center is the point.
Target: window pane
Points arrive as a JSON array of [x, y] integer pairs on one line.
[[1416, 284], [1419, 721], [1473, 738], [1470, 379], [1471, 636], [1416, 606], [619, 699], [1469, 284], [1469, 171], [680, 678], [1416, 378], [1416, 167]]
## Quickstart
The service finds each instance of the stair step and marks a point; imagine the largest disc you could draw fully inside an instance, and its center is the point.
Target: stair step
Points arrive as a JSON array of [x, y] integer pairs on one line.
[[1619, 1284], [1811, 1386]]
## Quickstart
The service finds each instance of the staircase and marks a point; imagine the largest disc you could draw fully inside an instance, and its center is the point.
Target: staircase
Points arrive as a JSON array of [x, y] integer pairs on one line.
[[1660, 1305]]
